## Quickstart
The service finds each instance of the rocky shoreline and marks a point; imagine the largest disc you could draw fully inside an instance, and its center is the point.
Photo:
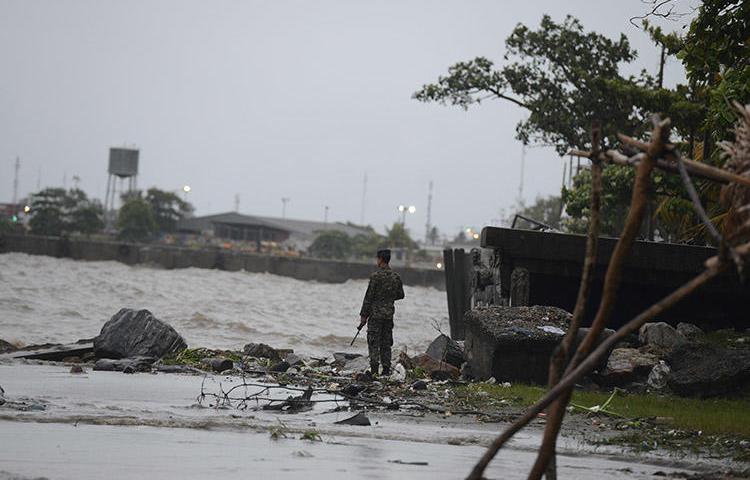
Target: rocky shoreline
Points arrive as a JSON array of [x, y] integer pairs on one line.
[[439, 385]]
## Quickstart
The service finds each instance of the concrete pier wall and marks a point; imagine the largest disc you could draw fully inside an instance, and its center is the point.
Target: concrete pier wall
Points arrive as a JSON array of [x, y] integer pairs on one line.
[[329, 271]]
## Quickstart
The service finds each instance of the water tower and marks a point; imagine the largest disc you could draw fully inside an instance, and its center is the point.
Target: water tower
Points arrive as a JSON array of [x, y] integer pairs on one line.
[[123, 164]]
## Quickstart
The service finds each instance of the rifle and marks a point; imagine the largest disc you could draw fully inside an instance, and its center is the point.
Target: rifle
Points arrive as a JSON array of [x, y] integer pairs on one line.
[[356, 335]]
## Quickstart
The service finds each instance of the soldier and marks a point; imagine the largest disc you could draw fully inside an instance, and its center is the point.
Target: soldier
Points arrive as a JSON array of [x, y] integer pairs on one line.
[[377, 312]]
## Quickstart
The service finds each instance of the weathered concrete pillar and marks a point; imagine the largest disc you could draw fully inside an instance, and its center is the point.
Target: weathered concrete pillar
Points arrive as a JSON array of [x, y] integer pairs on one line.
[[519, 287]]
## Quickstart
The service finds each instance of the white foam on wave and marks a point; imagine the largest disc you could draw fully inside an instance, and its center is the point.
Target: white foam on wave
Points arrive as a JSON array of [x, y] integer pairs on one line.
[[45, 299]]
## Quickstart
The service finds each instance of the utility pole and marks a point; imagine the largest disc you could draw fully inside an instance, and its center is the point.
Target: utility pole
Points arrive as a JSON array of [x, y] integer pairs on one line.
[[236, 202], [325, 215], [428, 226], [284, 201], [15, 185]]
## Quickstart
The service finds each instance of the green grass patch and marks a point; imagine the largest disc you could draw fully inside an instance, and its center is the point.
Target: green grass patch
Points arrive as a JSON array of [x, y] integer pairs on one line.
[[711, 416], [728, 338], [193, 356]]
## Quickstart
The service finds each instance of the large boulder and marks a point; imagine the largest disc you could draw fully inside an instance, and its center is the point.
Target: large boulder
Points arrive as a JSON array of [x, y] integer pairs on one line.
[[707, 370], [447, 350], [513, 343], [137, 333], [626, 365], [689, 330], [660, 337]]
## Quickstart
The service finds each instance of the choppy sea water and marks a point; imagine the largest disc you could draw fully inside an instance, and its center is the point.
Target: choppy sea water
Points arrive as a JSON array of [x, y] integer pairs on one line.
[[45, 299]]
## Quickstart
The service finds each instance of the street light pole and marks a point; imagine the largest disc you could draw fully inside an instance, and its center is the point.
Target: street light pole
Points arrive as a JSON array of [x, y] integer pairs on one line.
[[403, 209]]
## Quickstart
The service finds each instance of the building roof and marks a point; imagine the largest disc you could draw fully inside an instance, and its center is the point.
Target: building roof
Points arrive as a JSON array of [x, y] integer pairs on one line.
[[293, 226]]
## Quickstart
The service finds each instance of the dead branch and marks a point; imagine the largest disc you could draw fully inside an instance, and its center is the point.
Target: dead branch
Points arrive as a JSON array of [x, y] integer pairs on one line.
[[669, 164], [561, 356]]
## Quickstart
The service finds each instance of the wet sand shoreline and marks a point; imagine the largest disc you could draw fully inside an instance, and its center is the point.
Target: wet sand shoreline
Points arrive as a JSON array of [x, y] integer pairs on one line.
[[146, 421]]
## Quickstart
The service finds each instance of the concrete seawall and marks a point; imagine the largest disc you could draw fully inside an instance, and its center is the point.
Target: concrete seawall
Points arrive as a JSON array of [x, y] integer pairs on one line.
[[329, 271]]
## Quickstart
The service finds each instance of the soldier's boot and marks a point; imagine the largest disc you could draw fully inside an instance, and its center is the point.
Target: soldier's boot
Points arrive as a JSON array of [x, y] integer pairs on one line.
[[374, 368], [386, 371]]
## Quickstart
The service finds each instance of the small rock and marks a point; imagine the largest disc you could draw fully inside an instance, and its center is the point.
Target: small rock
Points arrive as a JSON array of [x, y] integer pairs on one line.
[[218, 364], [358, 364], [340, 358], [689, 330], [281, 366], [419, 385], [76, 369], [353, 389], [435, 368], [365, 376], [261, 350], [660, 336], [6, 347], [136, 364], [627, 365], [359, 419], [294, 360]]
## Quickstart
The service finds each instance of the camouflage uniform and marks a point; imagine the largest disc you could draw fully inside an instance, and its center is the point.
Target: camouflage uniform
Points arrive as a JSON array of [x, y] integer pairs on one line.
[[385, 287]]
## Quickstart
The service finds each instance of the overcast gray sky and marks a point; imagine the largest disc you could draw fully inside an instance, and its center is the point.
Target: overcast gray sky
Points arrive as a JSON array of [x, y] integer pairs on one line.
[[276, 98]]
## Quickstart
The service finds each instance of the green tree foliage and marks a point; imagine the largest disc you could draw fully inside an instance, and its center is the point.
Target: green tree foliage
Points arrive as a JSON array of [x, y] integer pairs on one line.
[[55, 211], [365, 246], [168, 208], [332, 244], [136, 221], [564, 77], [398, 237], [48, 212]]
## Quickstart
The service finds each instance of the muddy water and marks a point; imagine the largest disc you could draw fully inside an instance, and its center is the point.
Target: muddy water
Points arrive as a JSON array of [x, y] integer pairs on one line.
[[111, 425], [45, 299]]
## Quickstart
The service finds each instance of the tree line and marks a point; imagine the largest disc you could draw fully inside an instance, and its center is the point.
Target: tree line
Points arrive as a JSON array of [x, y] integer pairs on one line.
[[56, 211]]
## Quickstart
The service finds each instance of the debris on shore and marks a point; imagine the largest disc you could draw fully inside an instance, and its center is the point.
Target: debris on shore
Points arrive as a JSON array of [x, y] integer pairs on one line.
[[442, 381]]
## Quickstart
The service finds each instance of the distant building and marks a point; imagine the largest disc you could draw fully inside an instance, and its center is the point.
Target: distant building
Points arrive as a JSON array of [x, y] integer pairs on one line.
[[296, 234]]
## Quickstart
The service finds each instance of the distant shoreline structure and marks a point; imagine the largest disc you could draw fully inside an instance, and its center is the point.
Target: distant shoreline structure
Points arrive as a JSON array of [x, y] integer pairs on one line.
[[170, 257]]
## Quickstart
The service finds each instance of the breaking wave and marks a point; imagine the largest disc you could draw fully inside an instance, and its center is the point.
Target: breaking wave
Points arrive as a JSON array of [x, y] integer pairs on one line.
[[45, 299]]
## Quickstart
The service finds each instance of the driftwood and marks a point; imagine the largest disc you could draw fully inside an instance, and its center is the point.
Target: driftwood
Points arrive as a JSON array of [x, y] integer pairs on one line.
[[658, 153]]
